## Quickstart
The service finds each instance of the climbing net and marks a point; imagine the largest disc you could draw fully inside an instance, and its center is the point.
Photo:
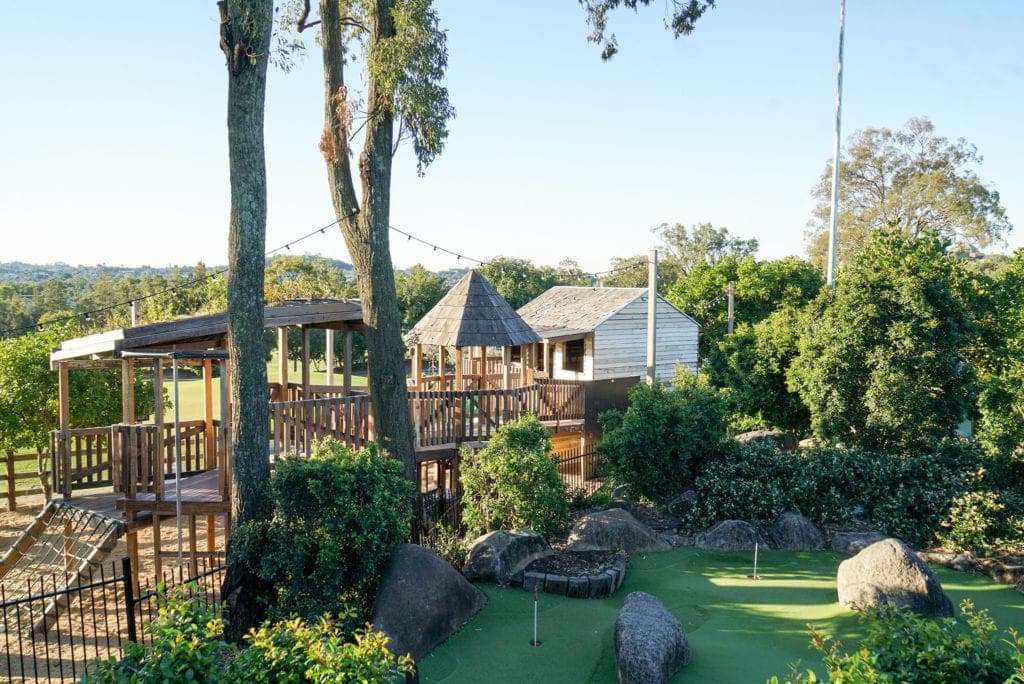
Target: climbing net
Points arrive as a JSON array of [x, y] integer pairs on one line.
[[62, 541]]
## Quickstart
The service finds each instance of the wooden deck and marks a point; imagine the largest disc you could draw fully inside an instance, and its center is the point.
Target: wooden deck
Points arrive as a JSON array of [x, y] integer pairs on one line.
[[199, 491]]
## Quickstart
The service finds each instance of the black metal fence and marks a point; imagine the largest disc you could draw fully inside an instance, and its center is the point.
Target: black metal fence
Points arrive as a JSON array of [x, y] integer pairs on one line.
[[580, 472], [53, 632]]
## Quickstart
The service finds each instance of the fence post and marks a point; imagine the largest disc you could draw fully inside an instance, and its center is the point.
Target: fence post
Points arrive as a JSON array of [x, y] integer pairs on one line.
[[12, 498], [129, 597]]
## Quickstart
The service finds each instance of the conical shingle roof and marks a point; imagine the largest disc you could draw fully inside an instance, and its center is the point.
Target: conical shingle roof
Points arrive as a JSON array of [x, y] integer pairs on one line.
[[472, 314]]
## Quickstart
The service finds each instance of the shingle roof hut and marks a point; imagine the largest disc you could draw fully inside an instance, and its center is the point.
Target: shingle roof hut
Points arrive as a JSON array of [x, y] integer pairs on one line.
[[472, 315]]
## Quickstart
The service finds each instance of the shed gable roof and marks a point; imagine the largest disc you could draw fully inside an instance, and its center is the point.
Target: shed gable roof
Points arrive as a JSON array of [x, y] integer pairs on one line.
[[572, 309]]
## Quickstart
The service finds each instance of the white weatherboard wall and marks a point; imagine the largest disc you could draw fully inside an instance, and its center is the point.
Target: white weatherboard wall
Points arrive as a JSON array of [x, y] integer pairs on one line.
[[620, 342], [558, 365]]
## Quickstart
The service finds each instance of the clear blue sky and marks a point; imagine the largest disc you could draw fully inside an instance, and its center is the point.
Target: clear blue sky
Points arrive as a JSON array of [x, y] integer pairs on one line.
[[113, 143]]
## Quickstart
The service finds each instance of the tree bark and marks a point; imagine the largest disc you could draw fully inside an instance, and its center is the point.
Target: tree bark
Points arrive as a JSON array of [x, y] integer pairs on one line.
[[245, 39], [366, 230]]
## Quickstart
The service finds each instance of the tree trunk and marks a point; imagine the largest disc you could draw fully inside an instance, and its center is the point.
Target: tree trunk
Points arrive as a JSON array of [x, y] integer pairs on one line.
[[245, 38], [366, 231]]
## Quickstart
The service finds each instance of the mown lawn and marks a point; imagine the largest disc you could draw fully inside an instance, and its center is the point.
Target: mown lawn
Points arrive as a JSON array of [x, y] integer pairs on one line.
[[739, 630]]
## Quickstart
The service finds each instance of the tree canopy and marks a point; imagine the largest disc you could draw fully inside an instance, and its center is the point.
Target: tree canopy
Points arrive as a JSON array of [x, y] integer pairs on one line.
[[685, 14], [882, 366], [911, 178]]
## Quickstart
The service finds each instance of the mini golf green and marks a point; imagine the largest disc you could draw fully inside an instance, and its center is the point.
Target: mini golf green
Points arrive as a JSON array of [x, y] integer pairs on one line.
[[739, 630]]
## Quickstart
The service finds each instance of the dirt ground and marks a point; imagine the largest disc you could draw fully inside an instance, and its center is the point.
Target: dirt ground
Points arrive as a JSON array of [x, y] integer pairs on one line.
[[90, 627]]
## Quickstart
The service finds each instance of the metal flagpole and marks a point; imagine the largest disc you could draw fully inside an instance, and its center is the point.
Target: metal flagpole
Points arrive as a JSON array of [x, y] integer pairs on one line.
[[834, 222]]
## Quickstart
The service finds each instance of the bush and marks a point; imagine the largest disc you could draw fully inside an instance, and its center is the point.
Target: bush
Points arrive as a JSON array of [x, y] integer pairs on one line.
[[513, 482], [904, 647], [751, 482], [299, 651], [447, 544], [660, 445], [337, 517], [186, 645]]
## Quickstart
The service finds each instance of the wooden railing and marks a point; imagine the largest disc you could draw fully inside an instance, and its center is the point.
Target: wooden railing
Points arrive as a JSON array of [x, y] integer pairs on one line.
[[296, 425], [86, 457], [10, 475], [560, 400], [470, 415]]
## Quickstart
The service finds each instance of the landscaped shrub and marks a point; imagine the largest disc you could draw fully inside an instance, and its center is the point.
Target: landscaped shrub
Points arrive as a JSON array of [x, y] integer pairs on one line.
[[661, 443], [752, 482], [447, 544], [513, 482], [337, 516], [186, 646], [299, 651], [904, 647]]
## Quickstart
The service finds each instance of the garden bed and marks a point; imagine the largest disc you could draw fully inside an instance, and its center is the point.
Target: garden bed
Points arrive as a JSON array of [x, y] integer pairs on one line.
[[577, 574]]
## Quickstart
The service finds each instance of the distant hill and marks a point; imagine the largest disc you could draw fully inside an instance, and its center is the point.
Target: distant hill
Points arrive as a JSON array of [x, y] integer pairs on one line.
[[18, 271]]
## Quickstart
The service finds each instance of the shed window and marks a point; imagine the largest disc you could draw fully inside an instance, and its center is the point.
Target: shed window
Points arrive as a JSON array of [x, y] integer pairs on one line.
[[538, 354], [573, 360], [516, 355]]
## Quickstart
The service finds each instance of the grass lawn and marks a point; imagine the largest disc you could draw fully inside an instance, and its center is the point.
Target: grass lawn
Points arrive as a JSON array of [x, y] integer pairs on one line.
[[739, 630], [190, 389]]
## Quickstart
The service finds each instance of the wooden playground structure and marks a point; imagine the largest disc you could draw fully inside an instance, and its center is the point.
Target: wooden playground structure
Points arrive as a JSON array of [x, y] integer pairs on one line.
[[138, 473]]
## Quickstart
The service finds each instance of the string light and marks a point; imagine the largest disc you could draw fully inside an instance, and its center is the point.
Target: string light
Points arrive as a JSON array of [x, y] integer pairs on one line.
[[173, 290]]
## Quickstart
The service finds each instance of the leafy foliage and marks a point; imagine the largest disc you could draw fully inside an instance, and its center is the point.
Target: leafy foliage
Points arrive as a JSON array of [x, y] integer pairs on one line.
[[685, 14], [750, 367], [28, 391], [299, 651], [907, 497], [337, 517], [513, 482], [665, 436], [186, 645], [903, 647], [883, 365], [418, 291], [761, 287], [911, 178], [518, 281]]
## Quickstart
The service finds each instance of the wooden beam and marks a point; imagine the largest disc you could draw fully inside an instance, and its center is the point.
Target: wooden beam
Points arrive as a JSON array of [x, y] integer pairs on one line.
[[506, 367], [458, 368], [128, 391], [347, 377], [305, 363], [158, 393], [282, 363], [64, 407], [417, 366], [209, 436], [329, 354]]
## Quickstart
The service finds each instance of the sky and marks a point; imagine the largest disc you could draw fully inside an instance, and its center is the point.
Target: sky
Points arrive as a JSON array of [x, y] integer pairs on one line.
[[113, 145]]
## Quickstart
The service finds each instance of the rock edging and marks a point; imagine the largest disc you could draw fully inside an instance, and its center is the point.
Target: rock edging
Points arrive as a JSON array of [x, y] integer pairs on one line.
[[598, 585]]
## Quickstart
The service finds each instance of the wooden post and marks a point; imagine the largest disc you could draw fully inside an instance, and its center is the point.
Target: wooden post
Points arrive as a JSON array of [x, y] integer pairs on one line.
[[210, 439], [652, 317], [441, 362], [329, 354], [305, 363], [348, 363], [128, 391], [417, 366], [282, 363], [506, 367], [459, 382], [158, 395], [522, 365], [12, 499], [65, 424]]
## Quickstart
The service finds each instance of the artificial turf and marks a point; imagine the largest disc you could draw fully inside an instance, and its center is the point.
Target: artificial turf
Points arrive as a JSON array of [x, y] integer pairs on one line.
[[740, 630]]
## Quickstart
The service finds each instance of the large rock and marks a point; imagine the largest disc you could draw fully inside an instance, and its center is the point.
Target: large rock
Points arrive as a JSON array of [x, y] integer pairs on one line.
[[499, 556], [855, 542], [650, 644], [422, 601], [614, 529], [889, 573], [730, 535], [783, 441], [684, 504], [793, 532]]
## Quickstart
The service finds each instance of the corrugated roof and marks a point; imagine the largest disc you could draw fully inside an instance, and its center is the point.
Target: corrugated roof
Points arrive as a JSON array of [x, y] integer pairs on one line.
[[472, 314], [576, 308]]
